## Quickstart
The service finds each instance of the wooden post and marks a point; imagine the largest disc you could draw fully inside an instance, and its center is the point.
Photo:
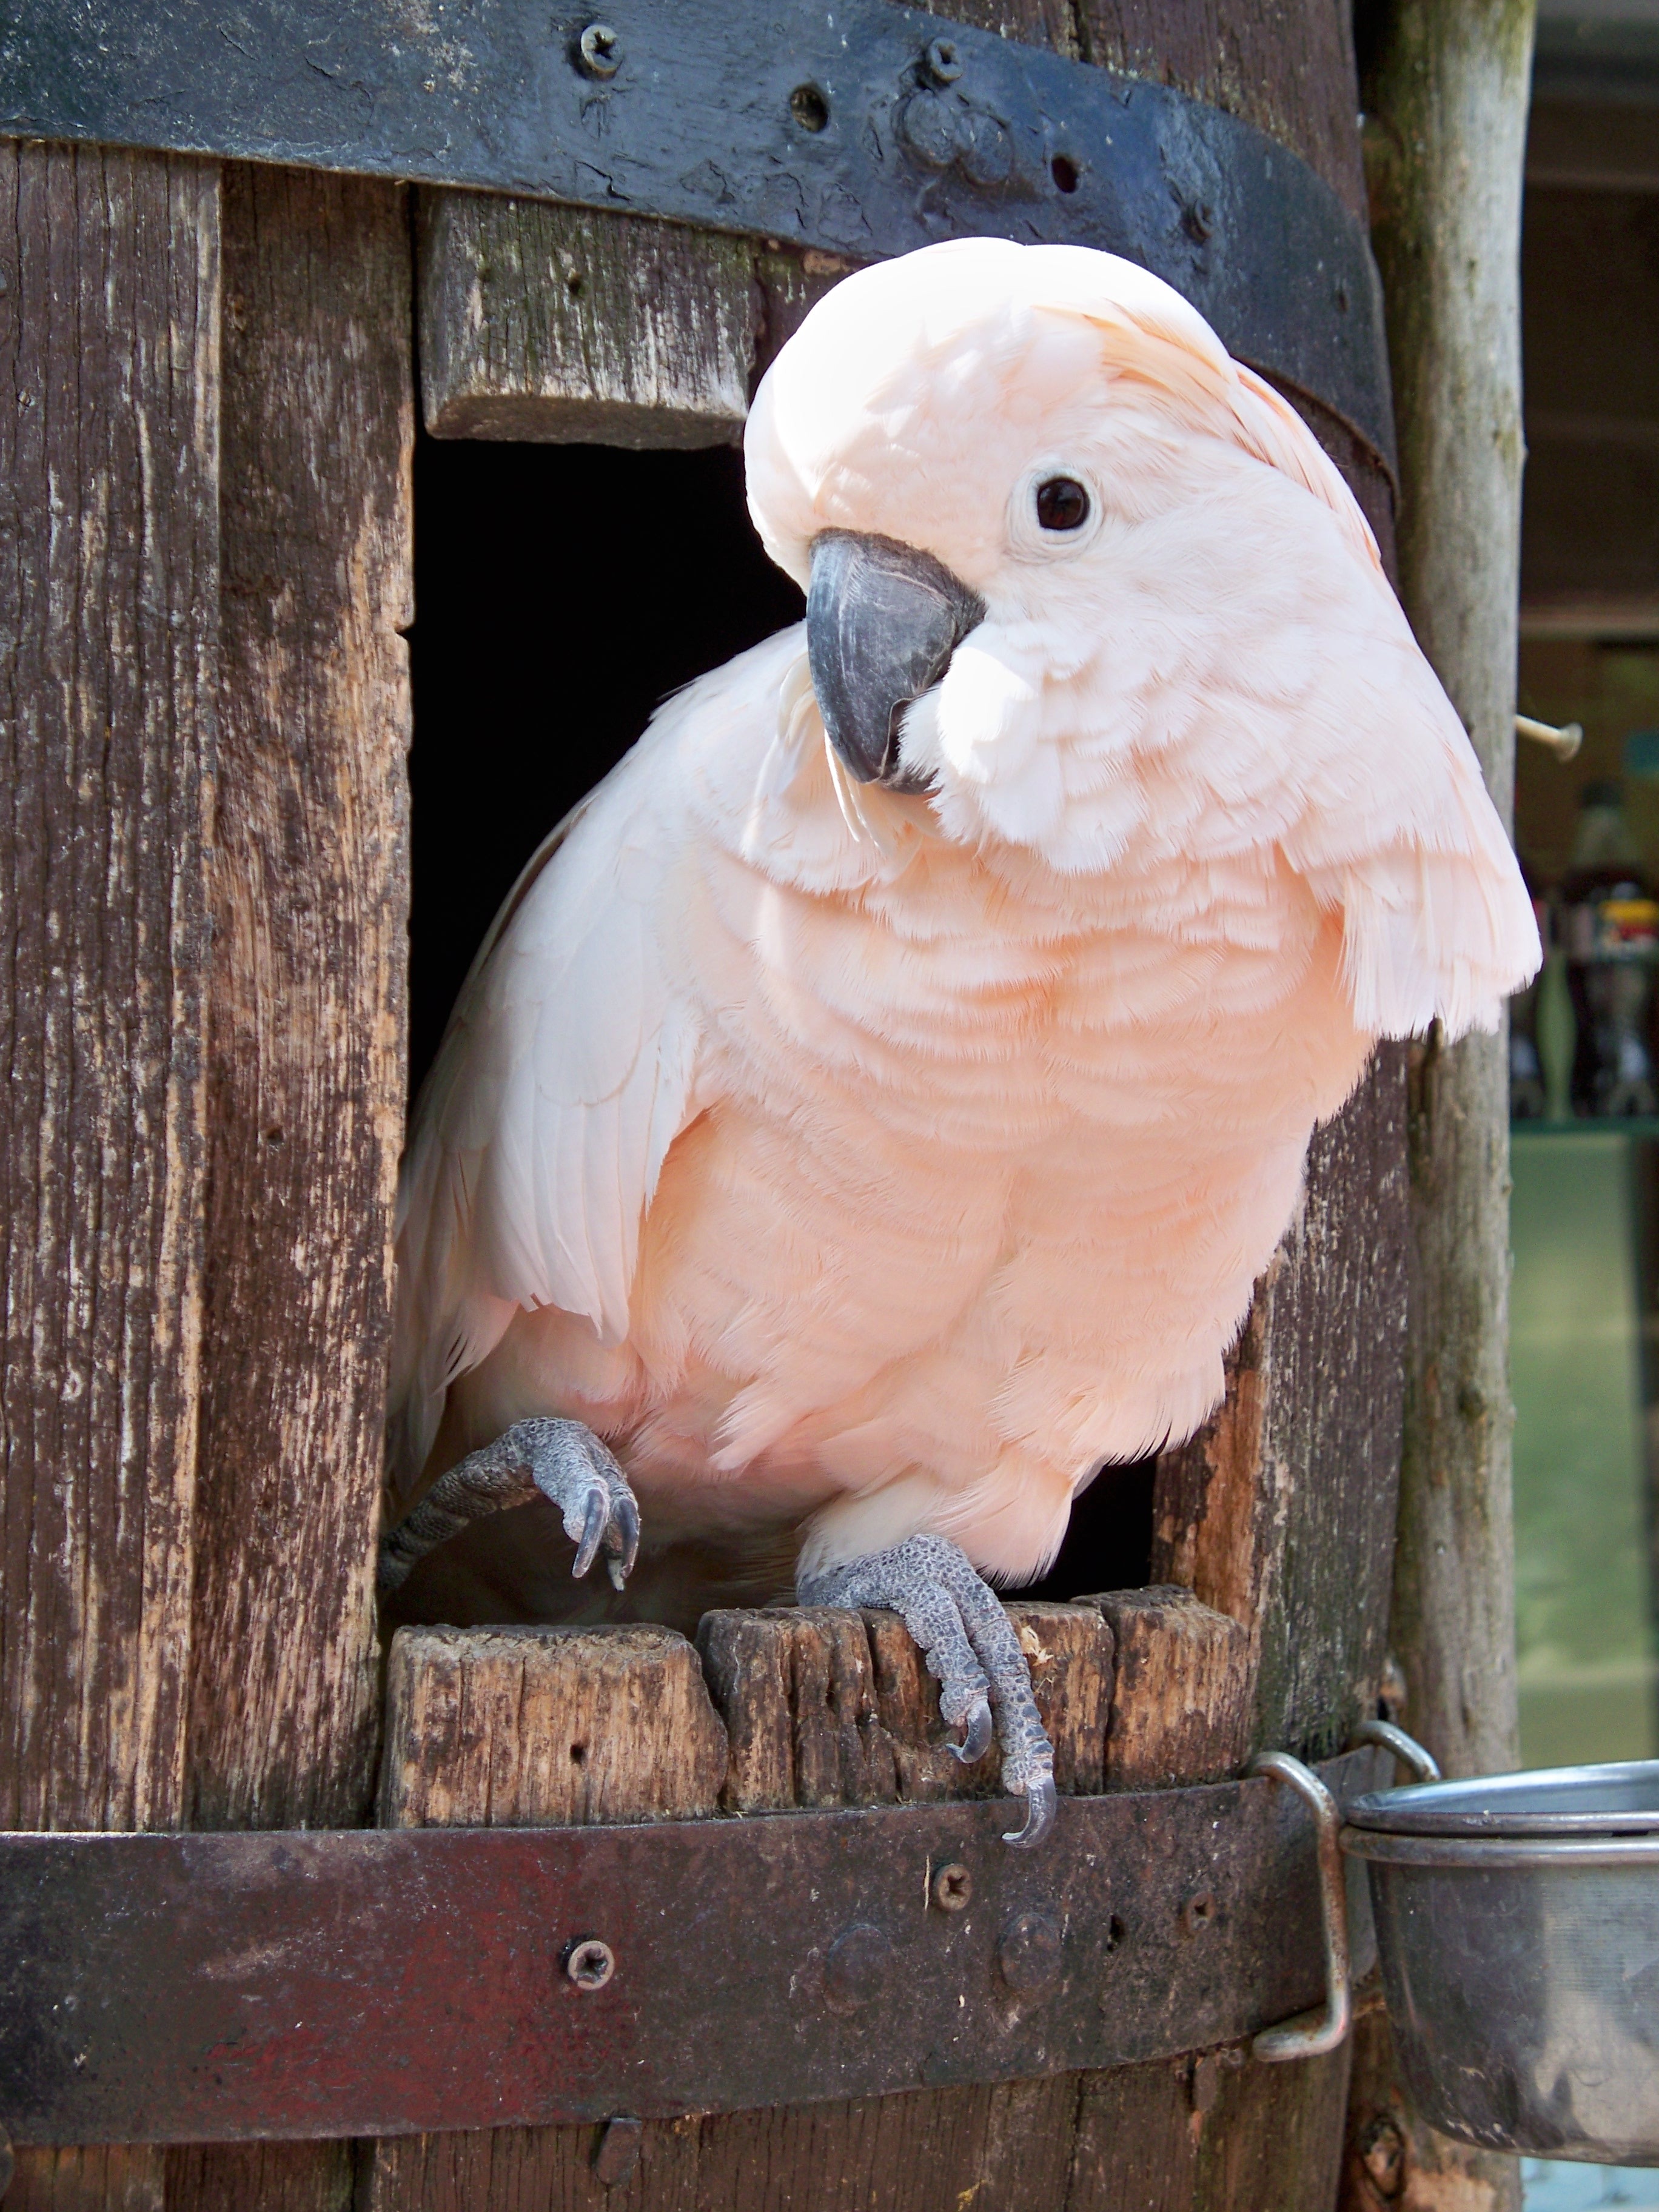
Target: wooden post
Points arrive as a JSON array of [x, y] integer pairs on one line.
[[1448, 101], [109, 620]]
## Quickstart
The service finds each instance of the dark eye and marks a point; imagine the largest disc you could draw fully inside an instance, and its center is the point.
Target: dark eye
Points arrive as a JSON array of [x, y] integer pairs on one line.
[[1062, 504]]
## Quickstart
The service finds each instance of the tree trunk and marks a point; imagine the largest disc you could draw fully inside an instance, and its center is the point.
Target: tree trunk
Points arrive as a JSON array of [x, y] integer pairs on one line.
[[1447, 99]]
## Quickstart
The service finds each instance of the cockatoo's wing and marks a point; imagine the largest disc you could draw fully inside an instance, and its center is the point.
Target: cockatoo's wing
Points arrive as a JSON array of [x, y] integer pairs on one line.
[[1395, 829], [565, 1075], [575, 1055]]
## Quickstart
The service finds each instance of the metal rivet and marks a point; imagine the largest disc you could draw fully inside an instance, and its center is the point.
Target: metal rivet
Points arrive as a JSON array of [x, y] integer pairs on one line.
[[953, 1888], [857, 1966], [928, 125], [944, 61], [599, 51], [1029, 1953], [618, 2153], [590, 1964], [1198, 1912]]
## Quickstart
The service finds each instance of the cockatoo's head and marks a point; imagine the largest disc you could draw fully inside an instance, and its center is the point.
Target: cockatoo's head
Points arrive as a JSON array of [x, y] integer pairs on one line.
[[1034, 504]]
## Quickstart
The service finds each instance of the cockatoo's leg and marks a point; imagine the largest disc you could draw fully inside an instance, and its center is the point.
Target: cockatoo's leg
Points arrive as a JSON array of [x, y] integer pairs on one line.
[[968, 1641], [562, 1460]]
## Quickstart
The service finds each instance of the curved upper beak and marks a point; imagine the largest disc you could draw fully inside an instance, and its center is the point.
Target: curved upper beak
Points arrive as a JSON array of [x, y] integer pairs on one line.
[[882, 622]]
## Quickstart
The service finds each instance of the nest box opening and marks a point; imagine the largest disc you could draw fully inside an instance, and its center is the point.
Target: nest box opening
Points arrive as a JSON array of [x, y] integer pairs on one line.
[[561, 592]]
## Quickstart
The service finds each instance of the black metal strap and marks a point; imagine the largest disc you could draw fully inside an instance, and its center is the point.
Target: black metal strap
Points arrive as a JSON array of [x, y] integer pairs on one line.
[[223, 1987], [861, 129]]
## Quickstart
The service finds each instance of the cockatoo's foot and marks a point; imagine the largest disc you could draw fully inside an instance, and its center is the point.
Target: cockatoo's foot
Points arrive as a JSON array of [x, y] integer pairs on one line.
[[968, 1641], [560, 1461]]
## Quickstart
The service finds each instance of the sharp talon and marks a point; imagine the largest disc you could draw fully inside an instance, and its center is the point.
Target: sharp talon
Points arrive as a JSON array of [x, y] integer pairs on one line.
[[628, 1520], [977, 1740], [598, 1512], [1042, 1802]]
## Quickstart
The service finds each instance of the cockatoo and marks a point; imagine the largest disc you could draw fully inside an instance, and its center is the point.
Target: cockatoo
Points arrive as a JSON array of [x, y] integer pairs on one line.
[[875, 1103]]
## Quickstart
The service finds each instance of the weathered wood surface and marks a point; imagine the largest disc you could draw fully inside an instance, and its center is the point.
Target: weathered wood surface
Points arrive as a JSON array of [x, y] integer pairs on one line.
[[1180, 1709], [305, 1012], [109, 610], [1448, 95], [305, 1040], [581, 327], [818, 1708], [1282, 1511], [534, 1728]]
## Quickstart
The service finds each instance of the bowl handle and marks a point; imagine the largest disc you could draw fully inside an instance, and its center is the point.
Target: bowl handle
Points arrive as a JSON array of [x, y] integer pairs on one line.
[[1311, 2034], [1420, 1764]]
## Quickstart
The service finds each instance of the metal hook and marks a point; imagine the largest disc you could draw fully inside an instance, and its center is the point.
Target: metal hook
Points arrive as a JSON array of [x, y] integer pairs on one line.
[[1420, 1763], [1311, 2034]]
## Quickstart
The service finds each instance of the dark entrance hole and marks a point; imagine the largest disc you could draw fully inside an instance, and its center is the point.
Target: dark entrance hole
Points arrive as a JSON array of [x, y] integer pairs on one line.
[[561, 591]]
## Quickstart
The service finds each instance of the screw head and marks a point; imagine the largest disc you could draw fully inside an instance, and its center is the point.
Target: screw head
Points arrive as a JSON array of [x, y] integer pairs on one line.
[[590, 1964], [953, 1888], [599, 50], [944, 61]]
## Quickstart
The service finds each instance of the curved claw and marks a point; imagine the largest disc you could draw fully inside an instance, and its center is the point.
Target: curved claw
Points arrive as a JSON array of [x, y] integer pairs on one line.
[[1042, 1802], [598, 1512], [976, 1742], [627, 1520]]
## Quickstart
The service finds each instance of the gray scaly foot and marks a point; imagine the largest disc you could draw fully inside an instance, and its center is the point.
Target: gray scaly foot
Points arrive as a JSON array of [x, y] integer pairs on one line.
[[968, 1643], [560, 1461]]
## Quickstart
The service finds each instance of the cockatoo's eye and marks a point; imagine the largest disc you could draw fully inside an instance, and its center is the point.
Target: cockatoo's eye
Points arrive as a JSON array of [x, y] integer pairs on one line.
[[1061, 503]]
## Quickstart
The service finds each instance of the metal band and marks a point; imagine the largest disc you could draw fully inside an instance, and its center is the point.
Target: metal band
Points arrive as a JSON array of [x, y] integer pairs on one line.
[[174, 1988], [863, 131]]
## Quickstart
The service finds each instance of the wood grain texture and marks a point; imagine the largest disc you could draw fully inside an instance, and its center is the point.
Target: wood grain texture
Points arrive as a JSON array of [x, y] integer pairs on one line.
[[306, 1008], [1180, 1703], [1448, 95], [580, 327], [531, 1727], [828, 1707], [1286, 66], [109, 617], [90, 2177], [109, 359], [1282, 1511], [1446, 153]]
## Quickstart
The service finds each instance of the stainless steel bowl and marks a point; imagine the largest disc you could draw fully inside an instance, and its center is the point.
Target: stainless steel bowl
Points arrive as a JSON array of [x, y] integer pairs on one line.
[[1517, 1923]]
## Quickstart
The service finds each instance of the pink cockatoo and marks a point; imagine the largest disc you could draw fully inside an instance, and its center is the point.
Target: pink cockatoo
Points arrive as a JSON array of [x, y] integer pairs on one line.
[[874, 1105]]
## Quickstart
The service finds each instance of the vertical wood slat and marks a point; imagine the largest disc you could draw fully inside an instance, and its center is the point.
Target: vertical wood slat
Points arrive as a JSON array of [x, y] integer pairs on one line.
[[109, 610], [1282, 1511], [581, 327], [306, 1006], [306, 1031]]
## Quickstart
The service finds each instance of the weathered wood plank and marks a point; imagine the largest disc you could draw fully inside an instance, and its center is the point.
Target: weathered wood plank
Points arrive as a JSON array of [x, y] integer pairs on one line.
[[1180, 1703], [1282, 1511], [532, 1728], [580, 327], [1286, 66], [826, 1707], [305, 1013], [90, 2177], [305, 1022], [109, 617]]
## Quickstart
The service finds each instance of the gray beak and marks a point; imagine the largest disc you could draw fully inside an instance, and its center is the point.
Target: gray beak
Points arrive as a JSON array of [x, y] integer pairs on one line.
[[882, 623]]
